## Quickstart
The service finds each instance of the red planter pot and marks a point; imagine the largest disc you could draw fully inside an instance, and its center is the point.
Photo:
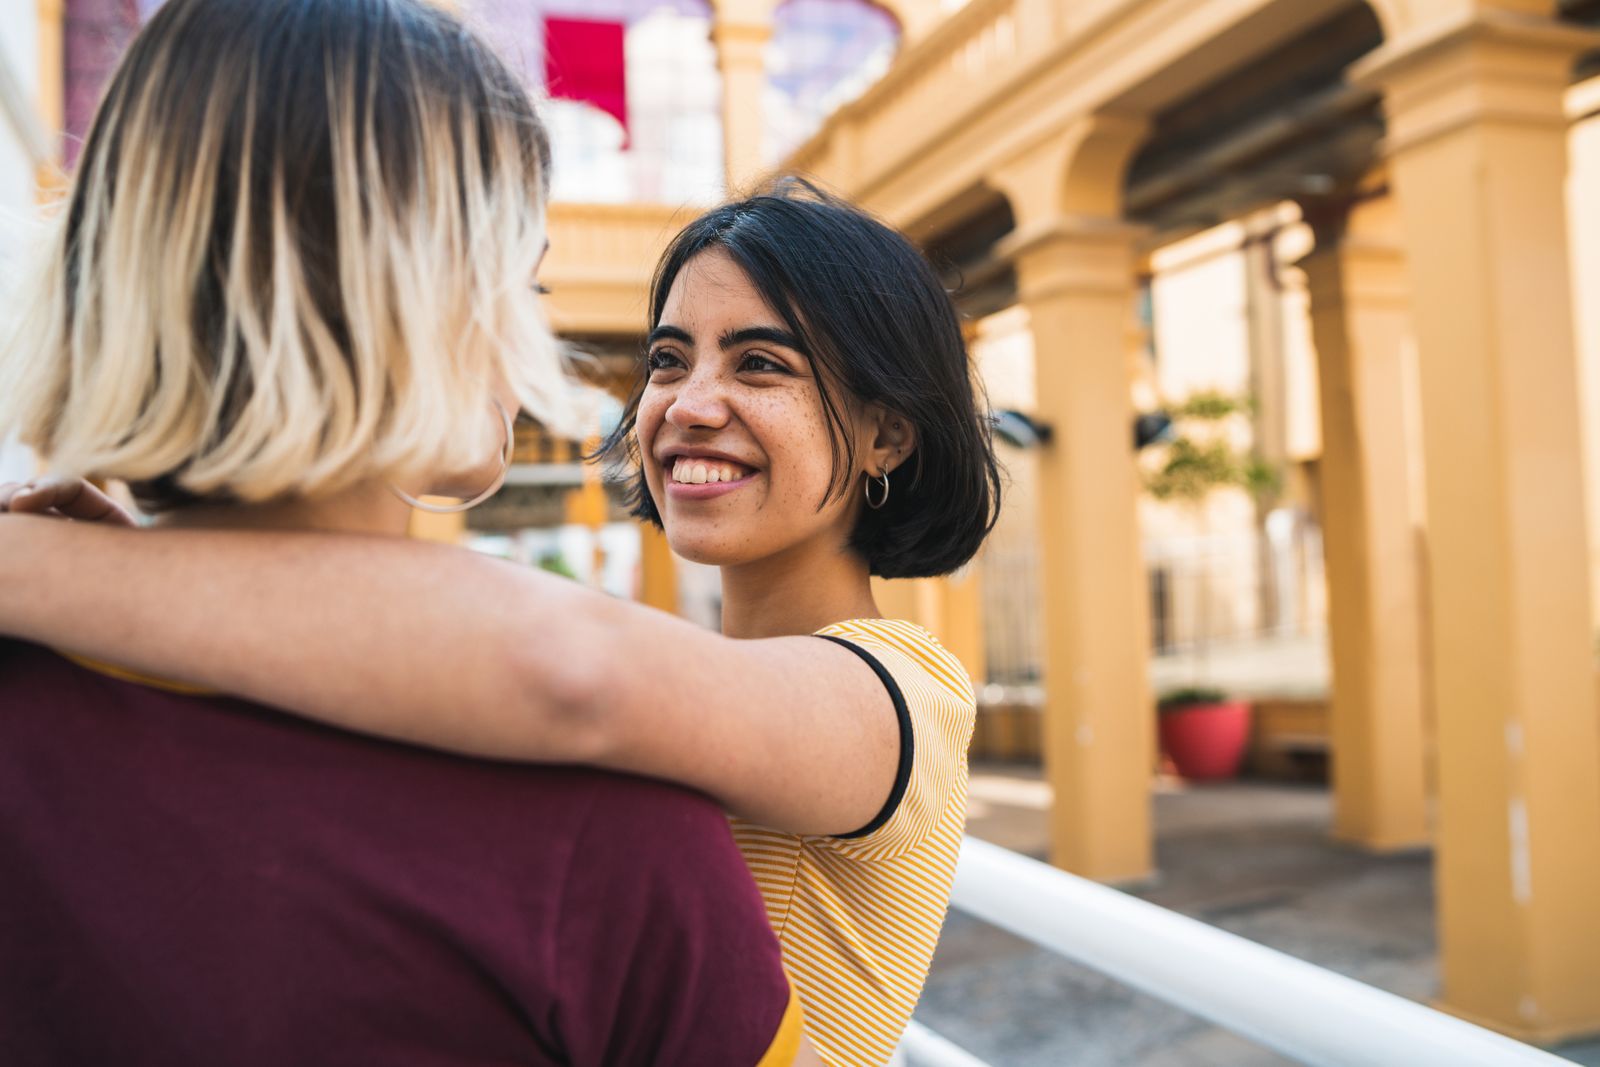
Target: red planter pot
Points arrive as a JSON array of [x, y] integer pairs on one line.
[[1206, 742]]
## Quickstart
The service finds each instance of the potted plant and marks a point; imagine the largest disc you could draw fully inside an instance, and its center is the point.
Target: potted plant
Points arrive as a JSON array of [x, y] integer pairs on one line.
[[1202, 731]]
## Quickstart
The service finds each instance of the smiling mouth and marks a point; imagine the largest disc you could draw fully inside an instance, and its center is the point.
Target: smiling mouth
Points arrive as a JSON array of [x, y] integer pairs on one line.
[[689, 471]]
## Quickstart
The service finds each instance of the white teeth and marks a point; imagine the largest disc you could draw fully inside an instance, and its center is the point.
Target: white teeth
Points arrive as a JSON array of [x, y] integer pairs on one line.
[[687, 472]]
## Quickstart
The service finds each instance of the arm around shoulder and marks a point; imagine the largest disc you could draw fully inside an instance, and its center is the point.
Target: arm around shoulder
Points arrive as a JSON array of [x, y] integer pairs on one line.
[[443, 647], [411, 641]]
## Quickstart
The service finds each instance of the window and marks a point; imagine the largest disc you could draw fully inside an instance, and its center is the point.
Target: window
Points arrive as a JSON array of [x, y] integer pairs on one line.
[[674, 149], [824, 53]]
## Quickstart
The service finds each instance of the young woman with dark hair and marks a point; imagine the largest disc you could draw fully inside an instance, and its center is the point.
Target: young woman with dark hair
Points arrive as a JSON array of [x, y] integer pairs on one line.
[[806, 419]]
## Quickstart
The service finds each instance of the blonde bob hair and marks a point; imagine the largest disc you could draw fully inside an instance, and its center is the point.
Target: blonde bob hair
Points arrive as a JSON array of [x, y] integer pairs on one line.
[[299, 254]]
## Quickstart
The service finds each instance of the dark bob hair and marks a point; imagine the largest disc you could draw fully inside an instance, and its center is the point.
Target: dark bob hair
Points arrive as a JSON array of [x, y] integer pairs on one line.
[[874, 320]]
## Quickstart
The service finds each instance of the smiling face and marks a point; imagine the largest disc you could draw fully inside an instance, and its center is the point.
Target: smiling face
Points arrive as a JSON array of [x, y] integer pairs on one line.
[[735, 443]]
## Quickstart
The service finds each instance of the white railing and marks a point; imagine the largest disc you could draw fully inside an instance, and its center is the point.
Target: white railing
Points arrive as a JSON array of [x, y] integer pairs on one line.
[[1311, 1015], [921, 1047]]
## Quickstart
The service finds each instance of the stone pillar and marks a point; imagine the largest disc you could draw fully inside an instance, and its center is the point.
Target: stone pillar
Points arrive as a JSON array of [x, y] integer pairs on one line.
[[1361, 326], [741, 33], [1478, 154], [1077, 283]]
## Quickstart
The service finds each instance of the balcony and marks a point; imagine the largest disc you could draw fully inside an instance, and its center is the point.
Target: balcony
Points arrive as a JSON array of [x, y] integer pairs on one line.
[[599, 265]]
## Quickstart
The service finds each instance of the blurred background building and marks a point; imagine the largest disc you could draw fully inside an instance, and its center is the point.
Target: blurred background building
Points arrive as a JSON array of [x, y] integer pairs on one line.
[[1291, 310]]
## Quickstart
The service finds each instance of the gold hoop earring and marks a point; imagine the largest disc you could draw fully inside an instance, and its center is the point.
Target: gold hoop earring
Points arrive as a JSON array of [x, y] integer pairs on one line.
[[494, 487], [866, 487]]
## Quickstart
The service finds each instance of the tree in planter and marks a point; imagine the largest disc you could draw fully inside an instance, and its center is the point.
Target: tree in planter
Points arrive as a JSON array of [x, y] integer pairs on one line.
[[1194, 461]]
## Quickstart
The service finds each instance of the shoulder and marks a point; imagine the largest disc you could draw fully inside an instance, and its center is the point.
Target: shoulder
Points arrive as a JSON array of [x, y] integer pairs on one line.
[[647, 827], [35, 673], [18, 655], [619, 802], [910, 653], [934, 700], [663, 947]]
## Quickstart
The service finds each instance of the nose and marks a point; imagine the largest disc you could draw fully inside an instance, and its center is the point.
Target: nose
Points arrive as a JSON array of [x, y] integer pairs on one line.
[[699, 403]]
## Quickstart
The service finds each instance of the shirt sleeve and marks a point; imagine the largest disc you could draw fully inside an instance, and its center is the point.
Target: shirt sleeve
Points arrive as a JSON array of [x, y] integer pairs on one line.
[[934, 700], [665, 954]]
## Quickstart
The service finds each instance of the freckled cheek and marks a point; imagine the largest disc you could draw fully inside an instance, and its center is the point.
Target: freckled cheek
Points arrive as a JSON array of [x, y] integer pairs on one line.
[[796, 443]]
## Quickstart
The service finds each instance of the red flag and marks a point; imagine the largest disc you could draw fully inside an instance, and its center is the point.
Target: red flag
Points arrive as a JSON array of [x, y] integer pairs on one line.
[[584, 60]]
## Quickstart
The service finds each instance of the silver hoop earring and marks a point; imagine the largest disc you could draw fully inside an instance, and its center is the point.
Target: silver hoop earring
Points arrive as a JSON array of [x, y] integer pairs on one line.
[[494, 487], [866, 487]]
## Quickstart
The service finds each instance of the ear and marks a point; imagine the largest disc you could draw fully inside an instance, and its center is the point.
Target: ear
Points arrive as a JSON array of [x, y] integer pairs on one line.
[[894, 438]]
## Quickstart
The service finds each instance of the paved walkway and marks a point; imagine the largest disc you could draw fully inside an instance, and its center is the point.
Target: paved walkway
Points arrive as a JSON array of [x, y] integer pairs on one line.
[[1252, 859]]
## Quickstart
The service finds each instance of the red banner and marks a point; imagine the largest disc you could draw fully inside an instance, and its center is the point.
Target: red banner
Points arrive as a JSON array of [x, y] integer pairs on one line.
[[584, 60]]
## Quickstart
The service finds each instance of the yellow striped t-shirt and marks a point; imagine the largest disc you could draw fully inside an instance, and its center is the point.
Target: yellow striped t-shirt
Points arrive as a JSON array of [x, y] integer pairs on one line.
[[858, 916]]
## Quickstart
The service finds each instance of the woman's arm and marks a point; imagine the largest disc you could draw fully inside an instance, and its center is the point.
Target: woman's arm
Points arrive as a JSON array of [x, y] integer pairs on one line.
[[454, 650]]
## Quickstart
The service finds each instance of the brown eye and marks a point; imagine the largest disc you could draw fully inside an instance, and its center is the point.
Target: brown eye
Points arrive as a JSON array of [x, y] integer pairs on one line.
[[660, 360], [758, 362]]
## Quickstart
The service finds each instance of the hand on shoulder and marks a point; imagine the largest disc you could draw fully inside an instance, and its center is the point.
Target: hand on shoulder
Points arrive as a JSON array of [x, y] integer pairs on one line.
[[63, 498]]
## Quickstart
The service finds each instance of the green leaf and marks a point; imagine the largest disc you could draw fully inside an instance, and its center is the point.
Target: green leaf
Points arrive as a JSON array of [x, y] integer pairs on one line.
[[1188, 697]]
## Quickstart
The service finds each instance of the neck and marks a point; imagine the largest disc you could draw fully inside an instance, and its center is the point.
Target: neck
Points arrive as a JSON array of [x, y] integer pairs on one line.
[[797, 592], [363, 509]]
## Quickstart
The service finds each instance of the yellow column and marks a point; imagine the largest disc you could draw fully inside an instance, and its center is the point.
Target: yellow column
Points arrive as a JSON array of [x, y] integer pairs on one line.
[[51, 94], [1361, 325], [951, 608], [658, 581], [1478, 146], [1583, 105], [961, 621], [741, 30], [905, 598], [588, 506], [449, 529], [1077, 280], [1077, 284]]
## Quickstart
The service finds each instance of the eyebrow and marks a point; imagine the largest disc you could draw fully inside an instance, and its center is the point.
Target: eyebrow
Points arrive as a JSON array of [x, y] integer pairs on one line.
[[729, 339], [668, 333], [770, 334]]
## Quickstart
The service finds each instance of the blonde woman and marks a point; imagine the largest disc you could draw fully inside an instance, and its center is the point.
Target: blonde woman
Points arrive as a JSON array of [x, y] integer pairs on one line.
[[805, 420], [290, 290]]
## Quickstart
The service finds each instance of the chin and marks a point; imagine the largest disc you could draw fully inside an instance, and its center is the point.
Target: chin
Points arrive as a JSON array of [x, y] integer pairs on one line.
[[709, 551], [713, 546]]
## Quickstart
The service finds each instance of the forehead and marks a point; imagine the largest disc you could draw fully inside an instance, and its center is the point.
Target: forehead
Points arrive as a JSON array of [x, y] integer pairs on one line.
[[712, 290]]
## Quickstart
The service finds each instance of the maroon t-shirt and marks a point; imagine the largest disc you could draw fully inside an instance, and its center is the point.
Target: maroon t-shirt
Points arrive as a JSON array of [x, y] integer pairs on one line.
[[195, 880]]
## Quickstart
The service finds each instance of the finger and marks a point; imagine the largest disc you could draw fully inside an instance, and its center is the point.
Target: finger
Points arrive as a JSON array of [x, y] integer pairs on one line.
[[72, 498], [21, 498]]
